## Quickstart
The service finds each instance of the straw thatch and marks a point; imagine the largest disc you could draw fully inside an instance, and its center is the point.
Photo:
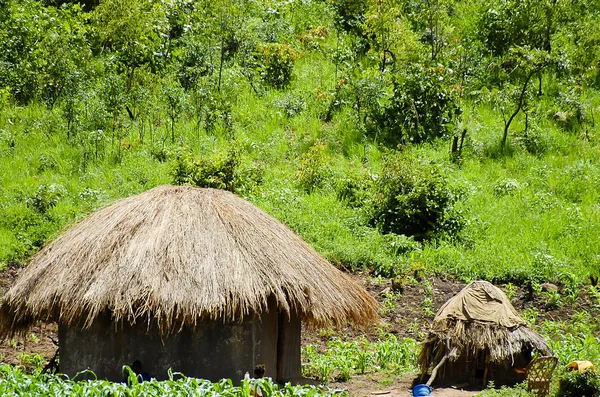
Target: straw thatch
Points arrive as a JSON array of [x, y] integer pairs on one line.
[[480, 318], [177, 256]]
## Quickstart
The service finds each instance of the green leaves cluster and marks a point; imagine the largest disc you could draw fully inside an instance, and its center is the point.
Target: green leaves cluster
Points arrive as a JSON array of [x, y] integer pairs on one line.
[[414, 199], [216, 172], [222, 170], [39, 47], [276, 63], [423, 106]]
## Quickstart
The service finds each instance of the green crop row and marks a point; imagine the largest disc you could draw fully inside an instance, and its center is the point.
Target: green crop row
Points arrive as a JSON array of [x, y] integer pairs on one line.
[[15, 382]]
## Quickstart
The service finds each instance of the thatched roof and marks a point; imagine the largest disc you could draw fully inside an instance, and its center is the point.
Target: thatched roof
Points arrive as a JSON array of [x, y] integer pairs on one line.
[[177, 255], [479, 318]]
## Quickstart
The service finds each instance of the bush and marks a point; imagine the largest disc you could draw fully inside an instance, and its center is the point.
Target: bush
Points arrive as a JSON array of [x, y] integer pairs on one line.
[[45, 198], [413, 199], [312, 167], [576, 384], [422, 106], [350, 15], [220, 171], [354, 190], [276, 64]]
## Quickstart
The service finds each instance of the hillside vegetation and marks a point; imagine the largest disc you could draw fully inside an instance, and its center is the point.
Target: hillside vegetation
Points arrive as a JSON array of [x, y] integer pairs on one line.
[[444, 137]]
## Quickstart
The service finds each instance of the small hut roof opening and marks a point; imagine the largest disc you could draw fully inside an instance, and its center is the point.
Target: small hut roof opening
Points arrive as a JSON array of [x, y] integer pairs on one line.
[[479, 318], [177, 255]]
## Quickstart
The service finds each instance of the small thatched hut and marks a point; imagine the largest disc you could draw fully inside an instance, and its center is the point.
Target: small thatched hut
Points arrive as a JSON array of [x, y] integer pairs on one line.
[[196, 280], [478, 336]]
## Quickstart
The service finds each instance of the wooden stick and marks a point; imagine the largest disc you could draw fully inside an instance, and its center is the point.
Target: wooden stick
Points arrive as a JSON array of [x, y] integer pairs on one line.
[[485, 372], [434, 372]]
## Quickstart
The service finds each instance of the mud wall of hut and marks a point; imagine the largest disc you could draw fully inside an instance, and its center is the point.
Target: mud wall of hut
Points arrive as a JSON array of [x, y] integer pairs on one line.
[[212, 351], [473, 370]]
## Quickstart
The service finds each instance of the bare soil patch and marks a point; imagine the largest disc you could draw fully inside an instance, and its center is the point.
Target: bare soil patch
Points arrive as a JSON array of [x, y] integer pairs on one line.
[[372, 386]]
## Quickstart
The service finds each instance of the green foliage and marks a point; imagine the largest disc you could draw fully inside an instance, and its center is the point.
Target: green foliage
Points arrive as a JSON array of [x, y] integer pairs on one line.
[[14, 382], [136, 32], [45, 198], [574, 339], [39, 47], [220, 171], [510, 23], [519, 390], [422, 106], [312, 167], [276, 64], [32, 363], [431, 19], [350, 14], [343, 359], [576, 384], [413, 198]]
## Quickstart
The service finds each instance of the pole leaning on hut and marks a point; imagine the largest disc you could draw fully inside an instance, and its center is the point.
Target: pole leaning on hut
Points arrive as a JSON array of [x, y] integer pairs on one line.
[[196, 280]]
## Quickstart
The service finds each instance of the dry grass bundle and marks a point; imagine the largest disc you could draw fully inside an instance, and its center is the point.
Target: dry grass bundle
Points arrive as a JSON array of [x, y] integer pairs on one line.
[[176, 256], [479, 318]]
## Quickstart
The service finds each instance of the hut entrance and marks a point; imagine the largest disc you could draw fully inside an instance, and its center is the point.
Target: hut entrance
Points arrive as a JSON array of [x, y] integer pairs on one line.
[[480, 370]]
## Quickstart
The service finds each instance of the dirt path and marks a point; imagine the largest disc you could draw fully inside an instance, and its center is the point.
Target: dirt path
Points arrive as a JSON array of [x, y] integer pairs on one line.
[[370, 386]]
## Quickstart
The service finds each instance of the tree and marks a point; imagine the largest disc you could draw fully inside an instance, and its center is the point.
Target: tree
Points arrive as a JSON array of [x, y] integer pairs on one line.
[[431, 19], [136, 32], [514, 91], [39, 47], [390, 34], [174, 97], [423, 106]]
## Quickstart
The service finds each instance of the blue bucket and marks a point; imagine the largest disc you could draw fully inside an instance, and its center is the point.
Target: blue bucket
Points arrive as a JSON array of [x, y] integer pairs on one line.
[[421, 391]]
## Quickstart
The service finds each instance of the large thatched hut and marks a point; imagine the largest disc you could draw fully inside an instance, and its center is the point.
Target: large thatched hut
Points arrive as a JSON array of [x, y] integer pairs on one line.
[[478, 336], [196, 280]]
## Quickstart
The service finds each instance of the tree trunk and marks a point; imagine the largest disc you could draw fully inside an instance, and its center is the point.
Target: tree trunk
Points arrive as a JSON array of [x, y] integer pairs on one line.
[[519, 107]]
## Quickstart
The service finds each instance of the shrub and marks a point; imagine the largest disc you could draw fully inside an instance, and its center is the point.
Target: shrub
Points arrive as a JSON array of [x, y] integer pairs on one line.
[[354, 190], [579, 384], [290, 105], [45, 198], [350, 15], [422, 106], [276, 63], [505, 391], [312, 168], [220, 171], [413, 199]]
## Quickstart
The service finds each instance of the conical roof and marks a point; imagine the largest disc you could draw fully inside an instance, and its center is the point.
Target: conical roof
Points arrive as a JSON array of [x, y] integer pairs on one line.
[[483, 302], [177, 255]]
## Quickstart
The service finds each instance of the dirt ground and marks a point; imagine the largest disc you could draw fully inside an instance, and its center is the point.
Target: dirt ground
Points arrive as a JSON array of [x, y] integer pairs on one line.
[[368, 386]]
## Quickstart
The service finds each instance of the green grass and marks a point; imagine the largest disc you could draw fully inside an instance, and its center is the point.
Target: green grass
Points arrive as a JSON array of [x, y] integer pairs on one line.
[[528, 216]]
